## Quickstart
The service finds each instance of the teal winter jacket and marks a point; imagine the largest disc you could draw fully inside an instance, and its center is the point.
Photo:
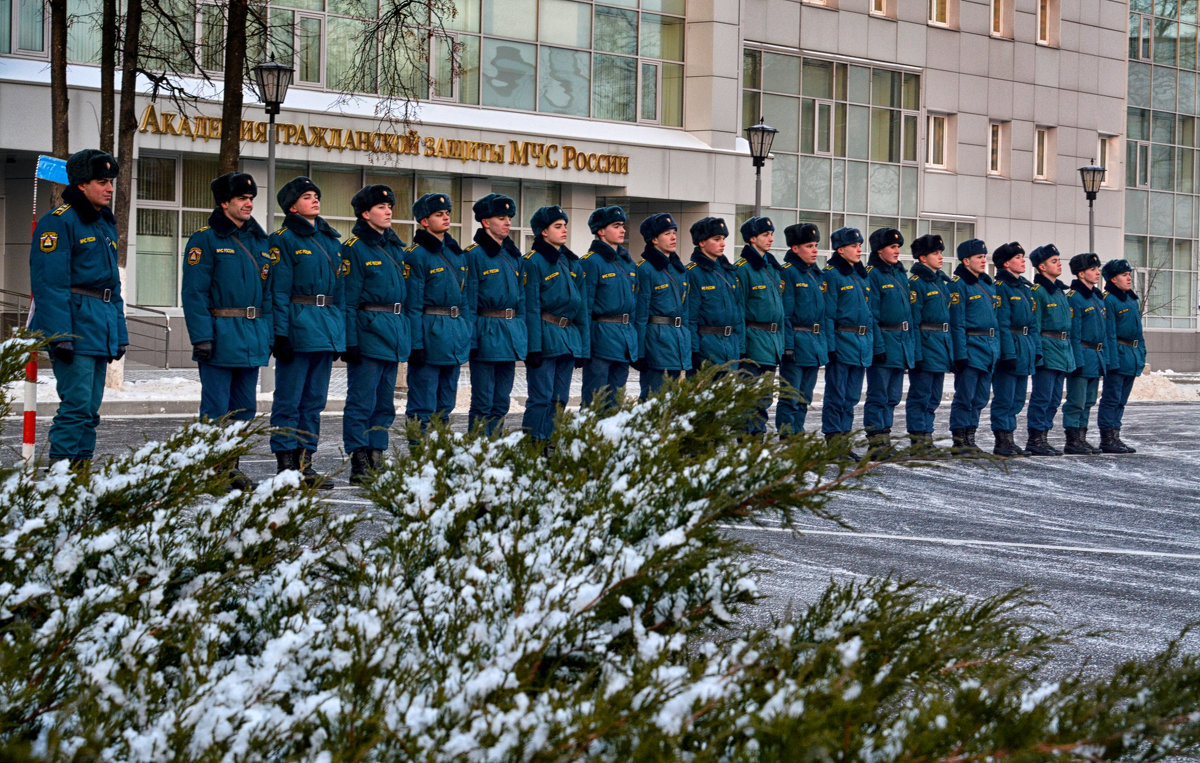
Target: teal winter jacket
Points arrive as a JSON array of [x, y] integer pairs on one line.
[[714, 310], [664, 339], [1128, 355], [438, 314], [892, 307], [376, 278], [556, 312], [760, 289], [973, 323], [308, 266], [1052, 315], [929, 296]]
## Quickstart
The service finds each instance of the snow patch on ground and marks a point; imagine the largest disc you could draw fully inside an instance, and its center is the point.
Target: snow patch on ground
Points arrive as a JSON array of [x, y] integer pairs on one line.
[[1158, 388]]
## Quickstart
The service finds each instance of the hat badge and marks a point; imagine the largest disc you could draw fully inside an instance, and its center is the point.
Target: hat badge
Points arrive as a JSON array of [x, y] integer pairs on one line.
[[440, 199]]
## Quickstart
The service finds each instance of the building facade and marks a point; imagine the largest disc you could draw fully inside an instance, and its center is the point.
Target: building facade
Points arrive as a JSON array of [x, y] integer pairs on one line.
[[967, 118]]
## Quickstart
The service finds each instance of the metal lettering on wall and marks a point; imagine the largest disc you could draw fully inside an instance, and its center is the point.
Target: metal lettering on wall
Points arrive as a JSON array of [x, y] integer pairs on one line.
[[522, 152]]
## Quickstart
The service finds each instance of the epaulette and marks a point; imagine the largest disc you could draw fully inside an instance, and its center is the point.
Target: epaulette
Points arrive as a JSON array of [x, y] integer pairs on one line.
[[913, 277], [584, 257], [955, 279], [643, 262], [787, 265], [1070, 292], [201, 230], [474, 245], [741, 261], [829, 267], [870, 268], [1036, 286], [411, 247], [691, 265], [280, 232], [530, 254], [58, 212], [350, 241]]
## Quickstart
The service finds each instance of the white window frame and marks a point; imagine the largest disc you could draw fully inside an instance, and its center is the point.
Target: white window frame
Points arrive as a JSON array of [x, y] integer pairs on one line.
[[1001, 12], [997, 148], [1106, 149], [939, 125], [884, 8], [1047, 22], [932, 14], [1044, 154]]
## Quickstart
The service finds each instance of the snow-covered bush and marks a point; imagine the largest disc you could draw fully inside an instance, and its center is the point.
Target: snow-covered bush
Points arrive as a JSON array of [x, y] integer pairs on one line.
[[504, 603]]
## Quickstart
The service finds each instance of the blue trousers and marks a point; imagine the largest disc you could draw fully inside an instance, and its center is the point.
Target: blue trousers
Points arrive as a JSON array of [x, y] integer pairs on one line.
[[491, 393], [301, 389], [432, 389], [1081, 396], [80, 388], [790, 414], [843, 388], [1044, 399], [1008, 398], [971, 391], [549, 386], [653, 380], [600, 374], [1112, 401], [924, 397], [885, 387], [370, 404], [758, 423], [225, 390]]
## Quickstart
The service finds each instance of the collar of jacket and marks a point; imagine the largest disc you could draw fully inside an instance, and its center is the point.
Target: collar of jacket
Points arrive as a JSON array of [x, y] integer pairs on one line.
[[659, 260], [845, 268], [493, 247], [301, 227], [224, 227], [429, 241], [876, 261], [752, 256], [1004, 276], [1082, 288], [707, 263], [798, 264], [372, 237], [1120, 293], [608, 253], [547, 250], [927, 273], [83, 208], [1047, 284], [969, 277]]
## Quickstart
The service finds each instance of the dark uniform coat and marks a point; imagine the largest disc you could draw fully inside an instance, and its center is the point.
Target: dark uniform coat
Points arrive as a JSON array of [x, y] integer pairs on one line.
[[229, 267], [663, 290], [804, 312], [610, 285], [973, 309], [1053, 314], [714, 302], [307, 263], [377, 276], [929, 294], [847, 304], [437, 278], [1124, 329], [892, 307], [760, 288], [554, 286], [1019, 339], [494, 282], [1089, 330]]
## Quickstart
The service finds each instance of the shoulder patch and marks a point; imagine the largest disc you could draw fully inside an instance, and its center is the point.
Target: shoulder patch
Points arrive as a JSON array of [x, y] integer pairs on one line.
[[643, 262], [48, 241], [411, 247], [954, 297], [266, 271], [58, 212], [194, 254], [273, 254], [913, 277], [344, 270]]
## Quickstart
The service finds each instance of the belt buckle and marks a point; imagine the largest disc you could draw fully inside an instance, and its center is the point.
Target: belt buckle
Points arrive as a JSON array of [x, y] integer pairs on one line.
[[728, 331], [677, 322], [251, 312], [862, 331], [397, 308], [624, 319], [991, 332], [1135, 342], [563, 321], [454, 311], [904, 325], [509, 312], [106, 295], [1024, 331], [1099, 346], [945, 328], [774, 328], [319, 300], [816, 328]]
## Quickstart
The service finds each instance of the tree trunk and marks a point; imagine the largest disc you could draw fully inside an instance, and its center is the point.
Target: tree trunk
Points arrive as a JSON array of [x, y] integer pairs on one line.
[[108, 65], [235, 69], [60, 130], [127, 127]]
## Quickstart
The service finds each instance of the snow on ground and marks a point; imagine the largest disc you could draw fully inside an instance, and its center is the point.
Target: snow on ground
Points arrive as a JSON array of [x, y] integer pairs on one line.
[[1157, 387]]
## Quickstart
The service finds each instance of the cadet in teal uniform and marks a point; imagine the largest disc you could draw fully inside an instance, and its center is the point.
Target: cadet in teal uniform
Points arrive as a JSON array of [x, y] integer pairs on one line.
[[929, 294], [496, 297], [1089, 330], [308, 312], [439, 317], [378, 334], [976, 346], [556, 314], [664, 341], [804, 350], [1052, 316], [760, 288], [892, 308], [1127, 356], [77, 301], [713, 308], [1019, 343], [226, 302], [853, 337], [611, 289]]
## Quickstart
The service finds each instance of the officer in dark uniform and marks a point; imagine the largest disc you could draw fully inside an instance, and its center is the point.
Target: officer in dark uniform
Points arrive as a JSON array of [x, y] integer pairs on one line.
[[1052, 315], [929, 293], [892, 308], [557, 317], [378, 334], [664, 341], [1089, 329], [1019, 345], [496, 298], [1127, 357], [976, 346], [804, 350], [853, 339], [714, 311], [227, 305], [77, 301], [610, 285], [438, 313], [760, 288], [310, 324]]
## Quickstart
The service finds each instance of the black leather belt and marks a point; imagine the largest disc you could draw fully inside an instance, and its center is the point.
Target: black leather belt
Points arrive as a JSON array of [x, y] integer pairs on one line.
[[507, 313], [320, 300], [561, 321], [981, 332], [249, 313], [453, 311], [104, 295], [1129, 342], [1062, 335], [1023, 331], [395, 308], [860, 330], [901, 326], [665, 320], [622, 318], [715, 330], [942, 327], [813, 329], [1093, 345], [771, 327]]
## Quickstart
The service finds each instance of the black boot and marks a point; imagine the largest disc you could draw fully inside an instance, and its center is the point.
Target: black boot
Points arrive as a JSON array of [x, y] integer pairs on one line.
[[237, 478], [964, 445], [879, 444], [830, 436], [1038, 445], [1121, 444], [376, 459], [312, 478], [286, 459], [1092, 449], [921, 443], [1076, 445], [81, 464], [360, 466], [1005, 445]]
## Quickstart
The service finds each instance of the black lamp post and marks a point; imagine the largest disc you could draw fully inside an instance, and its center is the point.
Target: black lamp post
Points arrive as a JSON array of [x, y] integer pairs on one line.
[[1093, 177], [760, 136]]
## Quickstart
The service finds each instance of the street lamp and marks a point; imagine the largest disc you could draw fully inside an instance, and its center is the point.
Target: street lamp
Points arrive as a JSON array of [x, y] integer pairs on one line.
[[1093, 177], [760, 136], [272, 79]]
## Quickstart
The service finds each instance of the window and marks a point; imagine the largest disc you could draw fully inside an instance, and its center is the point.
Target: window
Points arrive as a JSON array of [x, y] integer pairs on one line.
[[1002, 18], [1106, 148], [1165, 278], [939, 12], [23, 27], [884, 8], [938, 141], [1047, 22], [1043, 154], [998, 142]]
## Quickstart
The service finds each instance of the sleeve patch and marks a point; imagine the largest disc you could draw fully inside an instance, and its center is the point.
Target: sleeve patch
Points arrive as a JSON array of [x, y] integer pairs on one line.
[[48, 242], [194, 255], [266, 271], [273, 254], [954, 298], [344, 270]]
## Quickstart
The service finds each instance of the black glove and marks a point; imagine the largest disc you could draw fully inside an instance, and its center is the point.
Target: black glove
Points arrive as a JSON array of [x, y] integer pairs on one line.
[[697, 360], [473, 354], [832, 358], [789, 356], [1037, 362], [533, 360], [960, 366], [202, 351], [1008, 365], [64, 351], [879, 359], [121, 352], [417, 357], [1076, 373], [283, 350], [581, 362], [352, 355], [641, 364]]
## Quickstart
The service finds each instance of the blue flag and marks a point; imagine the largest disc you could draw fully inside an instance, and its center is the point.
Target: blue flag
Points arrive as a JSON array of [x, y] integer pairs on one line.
[[52, 169]]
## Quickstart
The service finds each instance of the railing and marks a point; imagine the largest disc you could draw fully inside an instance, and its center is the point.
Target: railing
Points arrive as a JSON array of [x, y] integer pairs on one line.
[[147, 326]]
